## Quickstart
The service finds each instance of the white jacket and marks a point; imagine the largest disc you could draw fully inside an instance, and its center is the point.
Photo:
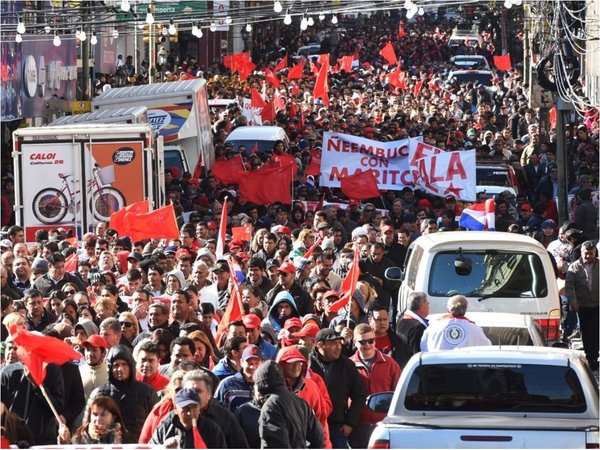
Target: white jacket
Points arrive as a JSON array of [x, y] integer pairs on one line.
[[452, 332]]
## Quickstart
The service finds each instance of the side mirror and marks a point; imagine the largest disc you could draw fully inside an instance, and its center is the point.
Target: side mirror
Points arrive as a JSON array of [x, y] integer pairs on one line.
[[394, 273], [380, 402]]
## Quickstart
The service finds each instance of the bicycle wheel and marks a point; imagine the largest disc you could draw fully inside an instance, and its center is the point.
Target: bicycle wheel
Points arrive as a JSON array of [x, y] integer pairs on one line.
[[50, 206], [105, 202]]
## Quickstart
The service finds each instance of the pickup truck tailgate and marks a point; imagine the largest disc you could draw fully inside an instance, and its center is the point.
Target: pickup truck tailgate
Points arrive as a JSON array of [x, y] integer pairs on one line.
[[491, 432]]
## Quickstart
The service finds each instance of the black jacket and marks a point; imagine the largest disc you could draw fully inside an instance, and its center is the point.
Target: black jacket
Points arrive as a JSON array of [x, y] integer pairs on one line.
[[247, 415], [234, 435], [45, 284], [28, 402], [135, 399], [286, 421], [171, 426], [409, 331], [74, 395], [343, 383]]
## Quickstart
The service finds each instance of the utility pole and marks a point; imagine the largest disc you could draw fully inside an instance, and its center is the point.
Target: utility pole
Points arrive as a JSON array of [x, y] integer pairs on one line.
[[561, 159], [85, 54]]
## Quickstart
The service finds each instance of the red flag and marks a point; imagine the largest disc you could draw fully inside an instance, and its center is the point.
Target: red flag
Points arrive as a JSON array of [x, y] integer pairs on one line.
[[271, 78], [301, 121], [286, 160], [157, 224], [235, 308], [418, 87], [323, 59], [502, 62], [360, 186], [401, 31], [243, 233], [293, 109], [348, 285], [253, 151], [315, 163], [253, 187], [227, 171], [346, 63], [282, 64], [73, 242], [321, 89], [314, 246], [220, 250], [245, 69], [552, 117], [36, 352], [433, 86], [117, 218], [296, 71], [268, 112], [389, 53], [278, 101], [71, 262], [295, 90], [227, 59], [256, 100], [198, 441], [394, 77]]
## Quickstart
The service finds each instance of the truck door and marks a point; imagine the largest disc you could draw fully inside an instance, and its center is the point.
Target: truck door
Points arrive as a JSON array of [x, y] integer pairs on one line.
[[48, 189]]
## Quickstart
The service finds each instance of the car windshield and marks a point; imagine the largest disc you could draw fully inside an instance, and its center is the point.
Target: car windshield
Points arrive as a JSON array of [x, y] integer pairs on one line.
[[508, 335], [252, 145], [489, 387], [492, 176], [484, 78], [493, 273]]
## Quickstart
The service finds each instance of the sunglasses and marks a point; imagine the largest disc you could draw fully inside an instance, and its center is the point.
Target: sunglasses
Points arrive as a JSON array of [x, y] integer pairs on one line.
[[126, 324], [69, 292], [366, 341]]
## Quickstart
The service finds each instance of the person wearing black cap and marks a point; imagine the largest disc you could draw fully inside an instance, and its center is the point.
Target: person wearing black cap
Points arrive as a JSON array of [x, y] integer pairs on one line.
[[218, 292], [343, 384]]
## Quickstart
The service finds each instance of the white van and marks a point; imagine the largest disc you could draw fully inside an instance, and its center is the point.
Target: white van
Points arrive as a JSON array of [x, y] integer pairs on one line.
[[496, 271], [262, 137]]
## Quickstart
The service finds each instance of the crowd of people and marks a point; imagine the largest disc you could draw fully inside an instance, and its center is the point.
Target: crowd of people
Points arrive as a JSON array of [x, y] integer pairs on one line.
[[159, 366]]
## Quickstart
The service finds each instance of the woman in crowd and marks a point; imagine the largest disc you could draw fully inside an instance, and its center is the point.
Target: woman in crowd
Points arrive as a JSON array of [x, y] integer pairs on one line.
[[103, 424], [129, 326]]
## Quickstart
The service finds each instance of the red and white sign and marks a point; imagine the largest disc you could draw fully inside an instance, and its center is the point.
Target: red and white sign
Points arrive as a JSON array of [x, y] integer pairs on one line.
[[252, 114], [444, 173], [345, 154]]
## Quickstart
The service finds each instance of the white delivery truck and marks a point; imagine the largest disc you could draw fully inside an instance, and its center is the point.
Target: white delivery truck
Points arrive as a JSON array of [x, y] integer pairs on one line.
[[74, 176], [178, 111], [132, 114]]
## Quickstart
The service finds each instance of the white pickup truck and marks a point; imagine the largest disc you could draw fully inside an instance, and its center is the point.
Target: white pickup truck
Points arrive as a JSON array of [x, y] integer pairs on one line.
[[490, 397]]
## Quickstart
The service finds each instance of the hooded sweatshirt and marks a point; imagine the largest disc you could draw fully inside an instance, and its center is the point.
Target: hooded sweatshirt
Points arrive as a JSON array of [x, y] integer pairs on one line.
[[273, 316], [285, 421], [135, 399], [179, 275]]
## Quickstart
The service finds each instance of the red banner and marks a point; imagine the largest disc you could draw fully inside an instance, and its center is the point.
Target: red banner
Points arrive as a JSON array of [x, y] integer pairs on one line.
[[360, 186]]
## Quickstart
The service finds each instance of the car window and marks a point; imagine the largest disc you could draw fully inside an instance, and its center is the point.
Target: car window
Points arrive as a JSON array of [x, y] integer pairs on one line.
[[413, 268], [493, 176], [493, 273], [484, 78], [508, 335], [253, 145], [493, 387]]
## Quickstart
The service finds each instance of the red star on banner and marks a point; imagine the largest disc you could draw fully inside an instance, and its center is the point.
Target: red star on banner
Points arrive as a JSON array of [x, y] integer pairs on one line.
[[454, 190]]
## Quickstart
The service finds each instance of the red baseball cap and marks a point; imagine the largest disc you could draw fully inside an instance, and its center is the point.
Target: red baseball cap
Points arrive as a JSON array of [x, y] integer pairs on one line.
[[310, 329], [212, 225], [526, 207], [287, 267], [236, 243], [181, 252], [95, 340], [293, 322], [251, 321], [283, 230]]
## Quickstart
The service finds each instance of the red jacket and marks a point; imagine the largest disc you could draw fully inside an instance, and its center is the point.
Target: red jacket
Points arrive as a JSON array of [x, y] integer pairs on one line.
[[384, 376], [308, 389], [160, 411], [157, 381]]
